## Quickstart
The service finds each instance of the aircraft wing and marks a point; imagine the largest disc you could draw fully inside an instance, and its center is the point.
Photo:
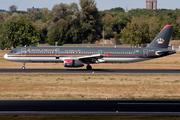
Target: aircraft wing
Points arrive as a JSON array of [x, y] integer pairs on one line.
[[97, 58]]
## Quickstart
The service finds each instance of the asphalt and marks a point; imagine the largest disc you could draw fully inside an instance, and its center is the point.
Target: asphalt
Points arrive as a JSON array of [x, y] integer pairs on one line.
[[121, 107], [107, 107], [94, 71]]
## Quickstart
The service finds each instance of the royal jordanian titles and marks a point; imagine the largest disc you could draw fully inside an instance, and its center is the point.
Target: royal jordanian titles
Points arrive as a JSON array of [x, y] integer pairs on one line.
[[78, 56]]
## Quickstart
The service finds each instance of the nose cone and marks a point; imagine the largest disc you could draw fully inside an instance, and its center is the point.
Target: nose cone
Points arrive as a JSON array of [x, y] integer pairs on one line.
[[5, 56]]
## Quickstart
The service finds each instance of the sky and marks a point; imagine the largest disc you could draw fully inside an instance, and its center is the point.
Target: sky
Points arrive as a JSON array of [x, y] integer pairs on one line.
[[101, 4]]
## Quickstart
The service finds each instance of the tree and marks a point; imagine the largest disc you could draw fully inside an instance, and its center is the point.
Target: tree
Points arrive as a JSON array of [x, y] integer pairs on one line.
[[120, 21], [19, 32], [2, 19], [117, 9], [114, 23], [130, 34], [74, 18], [108, 22], [45, 13], [91, 20], [42, 27], [117, 39], [59, 33], [2, 39], [39, 16], [59, 12], [176, 31], [154, 27], [141, 30], [56, 36], [70, 25], [136, 32]]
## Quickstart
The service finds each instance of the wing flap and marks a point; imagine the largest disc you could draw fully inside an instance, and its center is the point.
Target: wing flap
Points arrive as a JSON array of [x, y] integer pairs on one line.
[[97, 58]]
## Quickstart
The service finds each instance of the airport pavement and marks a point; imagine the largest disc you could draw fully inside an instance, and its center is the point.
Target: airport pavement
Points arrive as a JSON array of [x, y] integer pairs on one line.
[[94, 71], [120, 107]]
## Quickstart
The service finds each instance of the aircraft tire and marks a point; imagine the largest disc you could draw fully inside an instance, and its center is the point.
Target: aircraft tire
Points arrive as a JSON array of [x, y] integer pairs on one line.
[[89, 67]]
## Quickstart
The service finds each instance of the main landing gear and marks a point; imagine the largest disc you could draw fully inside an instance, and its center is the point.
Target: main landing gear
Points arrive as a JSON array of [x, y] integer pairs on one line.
[[89, 67], [23, 66]]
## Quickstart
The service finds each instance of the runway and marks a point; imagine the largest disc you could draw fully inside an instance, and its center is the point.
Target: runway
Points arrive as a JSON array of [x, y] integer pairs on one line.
[[94, 71], [120, 107]]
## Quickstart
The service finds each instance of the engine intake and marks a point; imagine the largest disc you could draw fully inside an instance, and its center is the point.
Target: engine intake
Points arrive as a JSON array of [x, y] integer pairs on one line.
[[73, 63]]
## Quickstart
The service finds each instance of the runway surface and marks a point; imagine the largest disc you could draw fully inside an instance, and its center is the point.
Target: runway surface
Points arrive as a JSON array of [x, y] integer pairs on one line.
[[121, 107], [95, 71]]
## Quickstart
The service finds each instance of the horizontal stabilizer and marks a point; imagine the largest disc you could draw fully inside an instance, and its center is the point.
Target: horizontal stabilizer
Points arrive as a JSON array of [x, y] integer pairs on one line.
[[167, 52]]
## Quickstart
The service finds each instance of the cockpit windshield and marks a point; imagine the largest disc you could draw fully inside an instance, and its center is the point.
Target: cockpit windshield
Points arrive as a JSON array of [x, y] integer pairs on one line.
[[13, 51]]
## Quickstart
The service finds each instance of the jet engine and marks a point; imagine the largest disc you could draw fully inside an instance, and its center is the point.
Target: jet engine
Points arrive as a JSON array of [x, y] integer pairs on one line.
[[73, 63]]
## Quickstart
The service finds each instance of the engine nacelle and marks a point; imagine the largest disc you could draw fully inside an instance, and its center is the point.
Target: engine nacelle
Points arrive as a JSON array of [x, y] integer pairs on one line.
[[73, 63]]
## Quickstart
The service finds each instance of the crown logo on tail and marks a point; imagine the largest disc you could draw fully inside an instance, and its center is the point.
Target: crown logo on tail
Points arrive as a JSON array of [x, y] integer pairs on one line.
[[160, 41]]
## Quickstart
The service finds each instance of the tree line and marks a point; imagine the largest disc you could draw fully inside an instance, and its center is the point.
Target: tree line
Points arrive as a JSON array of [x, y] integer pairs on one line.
[[69, 24]]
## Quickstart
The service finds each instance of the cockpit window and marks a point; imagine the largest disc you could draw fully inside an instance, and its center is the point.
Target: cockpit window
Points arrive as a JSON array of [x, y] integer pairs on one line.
[[12, 51]]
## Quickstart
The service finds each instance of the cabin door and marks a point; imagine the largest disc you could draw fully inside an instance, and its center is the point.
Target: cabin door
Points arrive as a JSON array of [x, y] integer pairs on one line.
[[99, 51], [57, 52], [145, 53], [23, 51]]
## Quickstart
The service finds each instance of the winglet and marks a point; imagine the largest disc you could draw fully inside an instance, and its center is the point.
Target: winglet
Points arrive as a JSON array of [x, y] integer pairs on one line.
[[107, 54]]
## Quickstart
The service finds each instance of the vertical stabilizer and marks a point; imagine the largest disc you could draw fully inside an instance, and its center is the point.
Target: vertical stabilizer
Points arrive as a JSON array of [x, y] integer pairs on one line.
[[163, 38]]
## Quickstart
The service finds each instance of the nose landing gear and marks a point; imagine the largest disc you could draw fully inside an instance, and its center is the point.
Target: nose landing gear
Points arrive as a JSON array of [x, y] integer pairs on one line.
[[23, 66]]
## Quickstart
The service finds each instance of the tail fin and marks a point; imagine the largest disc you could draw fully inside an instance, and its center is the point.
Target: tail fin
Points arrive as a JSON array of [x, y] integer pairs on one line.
[[163, 38]]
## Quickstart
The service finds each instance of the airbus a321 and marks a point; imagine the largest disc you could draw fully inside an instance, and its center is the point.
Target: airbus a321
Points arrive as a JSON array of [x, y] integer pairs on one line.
[[78, 56]]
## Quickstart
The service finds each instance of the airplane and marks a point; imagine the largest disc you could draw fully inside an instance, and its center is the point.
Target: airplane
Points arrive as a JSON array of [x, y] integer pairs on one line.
[[78, 56]]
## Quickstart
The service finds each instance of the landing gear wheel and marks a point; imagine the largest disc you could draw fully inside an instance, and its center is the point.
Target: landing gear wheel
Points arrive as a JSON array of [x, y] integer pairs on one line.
[[23, 68], [89, 67]]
